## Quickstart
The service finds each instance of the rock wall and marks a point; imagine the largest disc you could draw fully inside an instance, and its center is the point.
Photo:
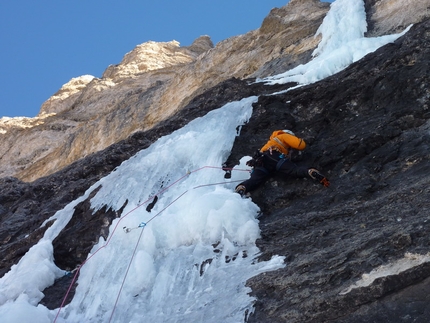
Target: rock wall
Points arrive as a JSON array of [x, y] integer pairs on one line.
[[393, 16], [155, 80], [89, 114], [367, 128]]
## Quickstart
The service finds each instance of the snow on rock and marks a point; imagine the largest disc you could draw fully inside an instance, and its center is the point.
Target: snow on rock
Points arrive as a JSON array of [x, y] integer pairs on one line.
[[200, 247], [342, 44], [409, 261]]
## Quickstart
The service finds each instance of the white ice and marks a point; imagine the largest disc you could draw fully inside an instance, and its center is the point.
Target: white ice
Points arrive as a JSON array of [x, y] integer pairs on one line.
[[342, 43], [175, 274], [191, 260]]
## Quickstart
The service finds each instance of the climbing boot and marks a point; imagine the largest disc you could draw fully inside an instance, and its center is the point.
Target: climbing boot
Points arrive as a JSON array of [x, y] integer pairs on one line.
[[316, 175], [227, 171], [241, 190]]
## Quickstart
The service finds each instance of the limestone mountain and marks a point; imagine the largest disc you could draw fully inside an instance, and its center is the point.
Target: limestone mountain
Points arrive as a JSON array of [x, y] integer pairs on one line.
[[155, 80], [367, 127]]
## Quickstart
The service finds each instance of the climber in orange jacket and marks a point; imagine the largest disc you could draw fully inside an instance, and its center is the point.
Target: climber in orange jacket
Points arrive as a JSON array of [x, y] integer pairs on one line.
[[274, 156]]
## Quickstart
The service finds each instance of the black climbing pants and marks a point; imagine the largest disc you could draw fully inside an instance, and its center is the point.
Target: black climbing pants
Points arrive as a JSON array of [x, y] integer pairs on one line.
[[273, 163]]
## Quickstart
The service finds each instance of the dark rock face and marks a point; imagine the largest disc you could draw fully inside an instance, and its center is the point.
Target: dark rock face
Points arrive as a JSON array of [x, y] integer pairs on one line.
[[25, 206], [367, 128]]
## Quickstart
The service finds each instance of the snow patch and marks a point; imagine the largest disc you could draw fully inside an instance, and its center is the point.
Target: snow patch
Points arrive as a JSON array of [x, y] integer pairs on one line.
[[409, 261]]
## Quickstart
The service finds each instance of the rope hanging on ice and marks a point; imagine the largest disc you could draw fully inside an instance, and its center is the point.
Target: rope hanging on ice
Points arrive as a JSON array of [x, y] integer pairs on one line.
[[141, 225], [127, 230]]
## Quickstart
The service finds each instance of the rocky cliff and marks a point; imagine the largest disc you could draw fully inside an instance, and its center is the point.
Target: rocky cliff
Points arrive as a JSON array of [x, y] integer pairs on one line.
[[89, 114], [367, 127], [155, 80]]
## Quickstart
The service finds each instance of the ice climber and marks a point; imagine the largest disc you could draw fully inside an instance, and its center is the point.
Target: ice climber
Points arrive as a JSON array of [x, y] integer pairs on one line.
[[273, 157]]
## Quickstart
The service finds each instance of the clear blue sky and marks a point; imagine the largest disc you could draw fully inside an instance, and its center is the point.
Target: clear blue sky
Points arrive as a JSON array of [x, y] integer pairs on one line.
[[45, 43]]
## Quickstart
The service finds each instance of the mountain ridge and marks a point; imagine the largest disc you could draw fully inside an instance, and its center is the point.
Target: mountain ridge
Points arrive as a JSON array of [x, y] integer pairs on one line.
[[330, 238], [87, 107], [93, 112]]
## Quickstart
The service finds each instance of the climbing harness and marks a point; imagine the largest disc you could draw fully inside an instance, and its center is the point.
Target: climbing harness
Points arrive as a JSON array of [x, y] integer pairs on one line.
[[281, 161]]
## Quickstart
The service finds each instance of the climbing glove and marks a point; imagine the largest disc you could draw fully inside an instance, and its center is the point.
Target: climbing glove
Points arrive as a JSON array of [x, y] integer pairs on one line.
[[250, 163], [257, 160], [316, 175], [257, 155]]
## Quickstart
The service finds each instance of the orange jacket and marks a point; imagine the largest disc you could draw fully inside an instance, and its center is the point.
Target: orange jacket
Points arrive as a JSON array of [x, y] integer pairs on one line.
[[282, 142]]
